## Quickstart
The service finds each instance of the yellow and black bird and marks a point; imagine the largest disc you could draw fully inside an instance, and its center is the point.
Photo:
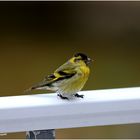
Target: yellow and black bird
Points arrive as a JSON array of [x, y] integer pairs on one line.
[[69, 78]]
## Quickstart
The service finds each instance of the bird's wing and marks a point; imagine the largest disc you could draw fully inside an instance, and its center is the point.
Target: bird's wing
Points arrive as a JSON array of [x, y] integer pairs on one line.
[[60, 75], [63, 72]]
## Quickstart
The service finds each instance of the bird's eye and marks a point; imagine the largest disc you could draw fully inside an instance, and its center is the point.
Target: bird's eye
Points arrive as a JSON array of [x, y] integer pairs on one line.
[[77, 59]]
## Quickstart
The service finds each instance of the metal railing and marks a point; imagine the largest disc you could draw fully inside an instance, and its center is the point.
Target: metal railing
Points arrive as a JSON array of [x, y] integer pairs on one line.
[[39, 115]]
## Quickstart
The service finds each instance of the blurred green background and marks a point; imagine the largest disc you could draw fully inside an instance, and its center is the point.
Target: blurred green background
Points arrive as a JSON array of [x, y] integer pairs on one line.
[[37, 37]]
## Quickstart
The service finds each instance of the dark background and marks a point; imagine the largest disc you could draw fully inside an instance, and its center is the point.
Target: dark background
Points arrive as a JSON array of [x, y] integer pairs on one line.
[[37, 37]]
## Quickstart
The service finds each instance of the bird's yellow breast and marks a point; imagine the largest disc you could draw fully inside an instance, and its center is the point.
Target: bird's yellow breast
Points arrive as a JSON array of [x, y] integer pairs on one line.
[[85, 70], [76, 83]]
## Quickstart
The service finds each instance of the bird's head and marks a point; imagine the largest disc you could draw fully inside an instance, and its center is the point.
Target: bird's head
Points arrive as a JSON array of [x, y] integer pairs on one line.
[[81, 58]]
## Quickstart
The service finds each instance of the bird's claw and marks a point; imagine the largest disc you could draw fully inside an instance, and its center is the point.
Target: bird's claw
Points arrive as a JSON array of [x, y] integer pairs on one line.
[[62, 97], [79, 96]]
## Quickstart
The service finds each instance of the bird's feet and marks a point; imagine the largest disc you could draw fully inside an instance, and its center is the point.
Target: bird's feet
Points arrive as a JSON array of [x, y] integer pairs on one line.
[[62, 97], [79, 96]]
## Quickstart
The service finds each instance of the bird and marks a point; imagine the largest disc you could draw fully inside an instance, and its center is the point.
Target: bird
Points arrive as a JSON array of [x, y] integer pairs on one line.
[[69, 78]]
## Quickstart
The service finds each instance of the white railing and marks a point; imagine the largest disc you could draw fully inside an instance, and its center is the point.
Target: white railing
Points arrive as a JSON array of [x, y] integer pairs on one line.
[[47, 111]]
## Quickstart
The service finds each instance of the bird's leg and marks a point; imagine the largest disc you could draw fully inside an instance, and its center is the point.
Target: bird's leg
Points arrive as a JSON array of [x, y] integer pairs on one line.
[[62, 97], [79, 96]]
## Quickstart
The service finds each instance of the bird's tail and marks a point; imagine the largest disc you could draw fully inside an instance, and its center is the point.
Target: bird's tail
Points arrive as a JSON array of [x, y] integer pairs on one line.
[[41, 86], [36, 87]]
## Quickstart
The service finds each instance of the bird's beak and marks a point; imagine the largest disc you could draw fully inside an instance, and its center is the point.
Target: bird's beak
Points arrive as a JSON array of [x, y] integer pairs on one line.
[[89, 60]]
